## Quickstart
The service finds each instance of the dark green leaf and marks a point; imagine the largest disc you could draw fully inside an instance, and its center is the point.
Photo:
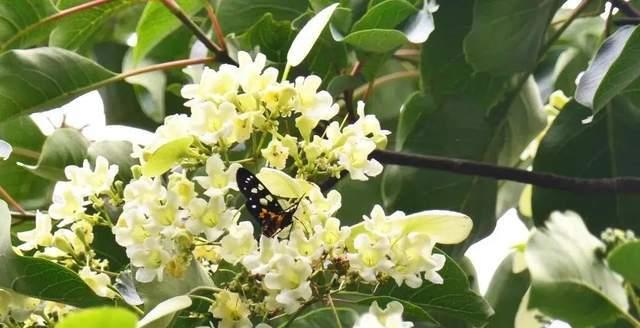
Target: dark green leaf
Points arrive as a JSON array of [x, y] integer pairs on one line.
[[453, 299], [624, 260], [105, 246], [324, 317], [505, 293], [42, 78], [272, 37], [376, 40], [64, 147], [22, 23], [38, 277], [612, 70], [358, 198], [507, 36], [29, 190], [157, 23], [582, 291], [100, 318], [342, 83], [602, 148], [75, 31], [385, 15], [238, 16]]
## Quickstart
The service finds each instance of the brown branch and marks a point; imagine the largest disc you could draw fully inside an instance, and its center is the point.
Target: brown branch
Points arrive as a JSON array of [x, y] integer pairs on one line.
[[540, 179], [175, 9], [626, 8], [5, 195], [215, 25]]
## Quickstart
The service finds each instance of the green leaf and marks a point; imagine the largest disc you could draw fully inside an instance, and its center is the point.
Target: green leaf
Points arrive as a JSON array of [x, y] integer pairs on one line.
[[167, 156], [602, 148], [582, 291], [22, 23], [612, 70], [444, 70], [42, 78], [105, 245], [157, 23], [29, 190], [453, 300], [239, 15], [272, 37], [100, 318], [358, 198], [149, 87], [64, 147], [324, 317], [376, 40], [40, 278], [75, 31], [624, 260], [505, 293], [385, 15], [507, 36], [116, 152]]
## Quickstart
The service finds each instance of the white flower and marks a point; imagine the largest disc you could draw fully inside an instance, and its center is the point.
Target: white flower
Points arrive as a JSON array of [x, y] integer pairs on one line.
[[214, 123], [276, 154], [216, 86], [39, 236], [231, 310], [381, 224], [332, 235], [310, 247], [252, 79], [354, 157], [411, 255], [308, 36], [210, 218], [150, 258], [259, 262], [144, 193], [130, 228], [290, 278], [390, 317], [367, 126], [99, 282], [238, 243], [68, 203], [218, 180], [370, 257], [182, 187], [92, 182], [320, 208], [5, 152], [175, 127], [313, 106]]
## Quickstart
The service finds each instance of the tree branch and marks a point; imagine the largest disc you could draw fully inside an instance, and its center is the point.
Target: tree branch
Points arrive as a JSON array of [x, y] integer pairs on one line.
[[626, 8], [540, 179], [175, 9]]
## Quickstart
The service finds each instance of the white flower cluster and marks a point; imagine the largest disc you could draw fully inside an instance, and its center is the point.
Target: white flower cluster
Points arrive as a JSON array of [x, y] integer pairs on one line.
[[390, 317], [385, 247], [19, 310], [72, 239], [229, 105]]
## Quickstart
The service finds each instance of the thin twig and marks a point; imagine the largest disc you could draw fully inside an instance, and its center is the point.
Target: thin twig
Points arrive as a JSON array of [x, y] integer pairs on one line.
[[363, 90], [215, 25], [626, 8], [7, 197], [540, 179], [175, 9]]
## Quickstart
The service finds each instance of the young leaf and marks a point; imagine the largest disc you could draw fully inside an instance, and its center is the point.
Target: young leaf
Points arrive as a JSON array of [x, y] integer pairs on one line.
[[238, 16], [308, 35], [385, 15], [624, 260], [568, 280], [612, 70], [99, 318]]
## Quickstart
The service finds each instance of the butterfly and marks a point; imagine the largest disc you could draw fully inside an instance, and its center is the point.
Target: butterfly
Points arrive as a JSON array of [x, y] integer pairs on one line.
[[263, 205]]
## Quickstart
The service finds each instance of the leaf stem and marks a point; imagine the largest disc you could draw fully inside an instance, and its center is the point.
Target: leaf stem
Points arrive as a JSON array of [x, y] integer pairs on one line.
[[333, 309], [363, 90], [574, 14], [540, 179], [175, 9], [7, 197]]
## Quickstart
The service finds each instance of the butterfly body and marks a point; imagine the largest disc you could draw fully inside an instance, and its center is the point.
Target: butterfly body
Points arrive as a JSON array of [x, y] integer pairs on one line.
[[263, 205]]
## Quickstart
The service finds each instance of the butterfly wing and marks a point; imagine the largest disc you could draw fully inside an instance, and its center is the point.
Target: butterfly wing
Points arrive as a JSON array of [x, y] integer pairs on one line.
[[261, 203]]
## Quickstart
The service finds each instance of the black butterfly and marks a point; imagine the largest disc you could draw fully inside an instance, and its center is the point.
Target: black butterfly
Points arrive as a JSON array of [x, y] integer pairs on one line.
[[263, 205]]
